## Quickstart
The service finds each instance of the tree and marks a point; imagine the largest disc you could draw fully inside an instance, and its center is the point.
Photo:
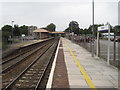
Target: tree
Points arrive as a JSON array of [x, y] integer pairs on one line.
[[81, 31], [74, 27], [117, 30], [24, 29], [67, 30], [8, 29], [51, 27], [89, 30], [16, 31], [6, 33]]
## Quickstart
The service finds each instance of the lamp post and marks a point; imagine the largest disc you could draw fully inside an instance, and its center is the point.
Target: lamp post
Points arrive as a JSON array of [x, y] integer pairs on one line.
[[12, 32], [93, 28], [71, 32], [114, 44]]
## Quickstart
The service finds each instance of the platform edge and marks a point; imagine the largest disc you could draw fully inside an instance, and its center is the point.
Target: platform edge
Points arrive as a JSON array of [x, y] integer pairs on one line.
[[49, 83]]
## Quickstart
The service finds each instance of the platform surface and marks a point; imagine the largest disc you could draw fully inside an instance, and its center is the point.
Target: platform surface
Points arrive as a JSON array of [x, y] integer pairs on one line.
[[85, 71]]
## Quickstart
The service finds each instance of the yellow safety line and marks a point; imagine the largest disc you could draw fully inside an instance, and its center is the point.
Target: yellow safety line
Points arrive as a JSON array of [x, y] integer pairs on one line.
[[81, 69]]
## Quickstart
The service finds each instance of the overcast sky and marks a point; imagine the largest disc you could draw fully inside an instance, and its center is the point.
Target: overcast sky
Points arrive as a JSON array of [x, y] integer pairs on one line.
[[59, 12]]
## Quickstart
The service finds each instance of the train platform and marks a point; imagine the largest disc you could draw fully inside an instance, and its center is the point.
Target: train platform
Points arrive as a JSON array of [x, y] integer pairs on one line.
[[73, 67], [15, 46], [25, 43]]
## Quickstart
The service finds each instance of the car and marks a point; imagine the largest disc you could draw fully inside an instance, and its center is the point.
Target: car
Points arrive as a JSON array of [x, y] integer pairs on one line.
[[117, 39], [112, 39]]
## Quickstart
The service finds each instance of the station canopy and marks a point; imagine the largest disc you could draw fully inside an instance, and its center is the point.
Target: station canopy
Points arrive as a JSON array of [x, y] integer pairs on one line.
[[41, 30], [46, 31], [57, 32]]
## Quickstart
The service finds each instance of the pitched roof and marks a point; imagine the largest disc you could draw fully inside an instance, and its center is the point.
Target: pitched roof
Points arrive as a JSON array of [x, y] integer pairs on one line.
[[40, 30], [57, 32]]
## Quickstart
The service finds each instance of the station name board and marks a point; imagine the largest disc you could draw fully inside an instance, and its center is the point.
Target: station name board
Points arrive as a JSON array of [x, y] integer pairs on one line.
[[103, 28]]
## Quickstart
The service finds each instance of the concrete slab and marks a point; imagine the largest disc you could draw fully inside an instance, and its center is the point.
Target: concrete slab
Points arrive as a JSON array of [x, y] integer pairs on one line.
[[76, 77], [114, 83], [110, 73], [77, 87], [89, 69], [103, 83], [79, 82], [94, 73], [115, 77], [101, 77]]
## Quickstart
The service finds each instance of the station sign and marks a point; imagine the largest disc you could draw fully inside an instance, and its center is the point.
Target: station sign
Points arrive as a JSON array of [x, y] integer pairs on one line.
[[103, 28]]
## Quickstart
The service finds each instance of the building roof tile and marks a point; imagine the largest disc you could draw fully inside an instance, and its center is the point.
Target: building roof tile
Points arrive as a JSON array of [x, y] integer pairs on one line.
[[41, 30]]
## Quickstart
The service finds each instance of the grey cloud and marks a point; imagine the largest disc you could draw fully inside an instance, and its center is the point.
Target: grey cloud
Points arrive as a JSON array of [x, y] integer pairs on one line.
[[60, 13]]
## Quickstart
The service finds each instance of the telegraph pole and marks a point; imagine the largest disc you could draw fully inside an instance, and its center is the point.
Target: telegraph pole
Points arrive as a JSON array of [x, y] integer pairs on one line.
[[114, 44], [71, 31], [93, 28], [12, 32]]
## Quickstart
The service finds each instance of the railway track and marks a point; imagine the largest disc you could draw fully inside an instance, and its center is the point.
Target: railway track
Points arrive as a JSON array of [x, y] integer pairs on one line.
[[44, 80], [21, 51], [36, 59], [6, 65]]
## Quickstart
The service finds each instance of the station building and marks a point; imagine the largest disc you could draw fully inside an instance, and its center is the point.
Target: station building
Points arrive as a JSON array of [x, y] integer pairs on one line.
[[44, 34], [41, 34]]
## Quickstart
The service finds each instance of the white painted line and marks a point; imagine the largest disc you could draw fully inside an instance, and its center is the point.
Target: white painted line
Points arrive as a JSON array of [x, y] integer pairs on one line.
[[49, 83]]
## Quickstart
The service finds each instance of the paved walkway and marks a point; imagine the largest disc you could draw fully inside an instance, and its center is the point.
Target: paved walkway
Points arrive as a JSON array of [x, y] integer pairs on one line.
[[85, 71]]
